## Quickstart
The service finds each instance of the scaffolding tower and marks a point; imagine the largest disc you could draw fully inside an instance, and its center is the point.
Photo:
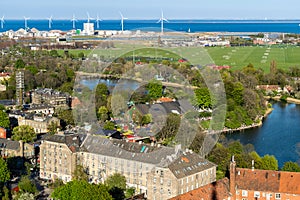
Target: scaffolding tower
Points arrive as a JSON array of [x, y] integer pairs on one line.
[[20, 87]]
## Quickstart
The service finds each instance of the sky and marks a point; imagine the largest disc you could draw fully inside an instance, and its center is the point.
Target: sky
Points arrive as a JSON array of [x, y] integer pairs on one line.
[[150, 9]]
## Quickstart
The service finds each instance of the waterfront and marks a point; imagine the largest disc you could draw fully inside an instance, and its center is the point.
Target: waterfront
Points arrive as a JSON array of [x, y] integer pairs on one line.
[[279, 135]]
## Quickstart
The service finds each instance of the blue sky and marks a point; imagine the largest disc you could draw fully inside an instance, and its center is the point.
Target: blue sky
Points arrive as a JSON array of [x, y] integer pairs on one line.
[[150, 9]]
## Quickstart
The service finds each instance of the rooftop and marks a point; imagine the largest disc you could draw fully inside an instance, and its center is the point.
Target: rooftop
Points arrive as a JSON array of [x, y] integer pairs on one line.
[[73, 141], [215, 190], [189, 163], [9, 144], [268, 180]]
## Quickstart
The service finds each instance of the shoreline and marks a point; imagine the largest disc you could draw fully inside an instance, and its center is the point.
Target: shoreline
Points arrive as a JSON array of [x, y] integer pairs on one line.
[[288, 100], [243, 128]]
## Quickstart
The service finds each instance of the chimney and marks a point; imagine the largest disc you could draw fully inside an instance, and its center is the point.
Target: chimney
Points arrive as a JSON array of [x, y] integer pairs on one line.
[[21, 148], [252, 165], [232, 177]]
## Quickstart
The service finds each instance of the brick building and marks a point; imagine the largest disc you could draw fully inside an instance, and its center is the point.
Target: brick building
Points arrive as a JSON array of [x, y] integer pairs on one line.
[[249, 184]]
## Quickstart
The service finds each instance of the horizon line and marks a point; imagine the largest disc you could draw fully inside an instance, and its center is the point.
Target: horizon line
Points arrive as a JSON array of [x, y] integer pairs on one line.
[[218, 19]]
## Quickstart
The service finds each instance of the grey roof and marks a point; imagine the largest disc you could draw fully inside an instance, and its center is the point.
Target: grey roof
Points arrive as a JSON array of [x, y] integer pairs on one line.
[[39, 106], [189, 163], [159, 108], [8, 102], [73, 141], [50, 92], [127, 150], [9, 144]]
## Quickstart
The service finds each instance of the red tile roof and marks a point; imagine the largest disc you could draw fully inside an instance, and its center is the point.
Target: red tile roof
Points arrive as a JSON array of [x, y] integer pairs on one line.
[[218, 190], [268, 180]]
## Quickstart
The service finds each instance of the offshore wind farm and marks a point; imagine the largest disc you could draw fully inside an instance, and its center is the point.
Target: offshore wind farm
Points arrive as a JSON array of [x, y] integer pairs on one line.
[[157, 23]]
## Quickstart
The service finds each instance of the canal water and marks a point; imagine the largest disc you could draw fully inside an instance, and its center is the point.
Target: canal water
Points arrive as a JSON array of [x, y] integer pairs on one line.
[[279, 135]]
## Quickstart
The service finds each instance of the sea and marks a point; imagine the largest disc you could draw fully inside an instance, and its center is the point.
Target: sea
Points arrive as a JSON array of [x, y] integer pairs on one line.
[[266, 26]]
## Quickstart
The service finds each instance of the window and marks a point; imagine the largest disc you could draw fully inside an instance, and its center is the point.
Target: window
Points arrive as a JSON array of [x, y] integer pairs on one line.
[[256, 194], [154, 180], [277, 196], [187, 179], [187, 188], [169, 192], [244, 193]]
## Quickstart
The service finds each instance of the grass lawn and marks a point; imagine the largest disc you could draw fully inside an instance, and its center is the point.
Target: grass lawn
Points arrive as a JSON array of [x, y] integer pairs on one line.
[[260, 57], [236, 57]]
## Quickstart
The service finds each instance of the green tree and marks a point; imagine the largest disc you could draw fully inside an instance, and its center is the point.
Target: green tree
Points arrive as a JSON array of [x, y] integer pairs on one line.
[[52, 127], [269, 163], [4, 119], [101, 94], [155, 89], [20, 64], [291, 167], [129, 192], [24, 132], [80, 174], [116, 184], [235, 148], [7, 195], [81, 190], [170, 127], [109, 125], [146, 119], [202, 98], [27, 186], [54, 53], [66, 117], [116, 180], [103, 113], [4, 172]]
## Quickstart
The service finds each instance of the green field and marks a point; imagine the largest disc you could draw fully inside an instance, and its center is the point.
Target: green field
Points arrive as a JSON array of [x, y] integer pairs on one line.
[[236, 57]]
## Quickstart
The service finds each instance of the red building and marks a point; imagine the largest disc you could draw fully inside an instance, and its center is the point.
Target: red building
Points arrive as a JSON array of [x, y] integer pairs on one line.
[[3, 133], [249, 184]]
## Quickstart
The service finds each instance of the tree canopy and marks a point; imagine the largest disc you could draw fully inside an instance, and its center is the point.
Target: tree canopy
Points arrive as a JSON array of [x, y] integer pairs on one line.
[[4, 172], [155, 89], [4, 119], [291, 167], [81, 190], [24, 132]]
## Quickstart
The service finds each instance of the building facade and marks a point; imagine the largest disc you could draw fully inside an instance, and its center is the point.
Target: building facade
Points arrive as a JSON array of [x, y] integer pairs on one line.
[[157, 171], [246, 184], [10, 148]]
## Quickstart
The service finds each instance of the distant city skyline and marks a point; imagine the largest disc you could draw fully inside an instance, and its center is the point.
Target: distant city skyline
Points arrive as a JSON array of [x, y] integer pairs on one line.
[[141, 9]]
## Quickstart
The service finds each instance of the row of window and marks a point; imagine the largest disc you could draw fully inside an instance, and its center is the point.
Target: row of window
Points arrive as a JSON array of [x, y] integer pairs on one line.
[[257, 194]]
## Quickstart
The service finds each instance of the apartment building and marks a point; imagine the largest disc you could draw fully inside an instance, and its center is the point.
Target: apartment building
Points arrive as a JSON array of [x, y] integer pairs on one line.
[[157, 171]]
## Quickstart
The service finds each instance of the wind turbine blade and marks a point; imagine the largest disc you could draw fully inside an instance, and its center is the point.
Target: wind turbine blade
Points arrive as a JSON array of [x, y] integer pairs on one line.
[[121, 15]]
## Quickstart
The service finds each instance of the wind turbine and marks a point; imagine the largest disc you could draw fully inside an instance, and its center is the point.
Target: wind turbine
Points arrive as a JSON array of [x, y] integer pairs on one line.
[[122, 21], [161, 20], [2, 22], [25, 22], [74, 20], [49, 22], [98, 20], [88, 17]]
